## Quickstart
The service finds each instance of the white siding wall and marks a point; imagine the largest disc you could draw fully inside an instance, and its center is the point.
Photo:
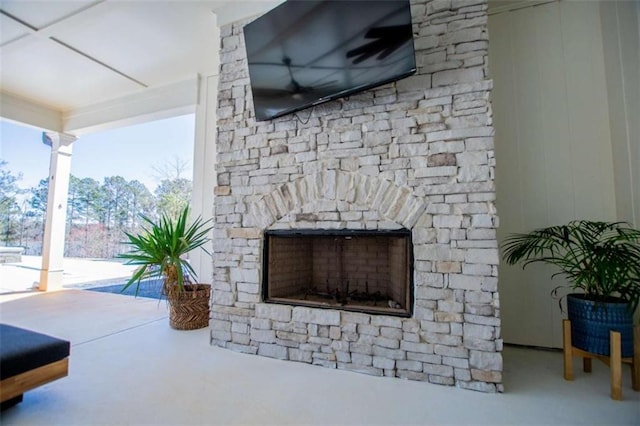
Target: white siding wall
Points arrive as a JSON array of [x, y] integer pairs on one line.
[[553, 144], [621, 38]]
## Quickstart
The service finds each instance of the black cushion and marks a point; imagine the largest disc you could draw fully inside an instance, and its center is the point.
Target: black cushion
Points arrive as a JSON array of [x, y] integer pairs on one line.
[[23, 350]]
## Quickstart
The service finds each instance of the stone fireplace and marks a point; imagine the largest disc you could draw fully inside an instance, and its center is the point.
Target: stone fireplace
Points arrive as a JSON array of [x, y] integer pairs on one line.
[[362, 235]]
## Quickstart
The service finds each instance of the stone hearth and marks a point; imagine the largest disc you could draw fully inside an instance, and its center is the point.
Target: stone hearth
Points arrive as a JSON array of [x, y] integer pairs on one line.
[[417, 155]]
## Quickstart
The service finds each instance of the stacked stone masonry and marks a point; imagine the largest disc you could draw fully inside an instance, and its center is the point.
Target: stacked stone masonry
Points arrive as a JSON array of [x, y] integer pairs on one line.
[[415, 154]]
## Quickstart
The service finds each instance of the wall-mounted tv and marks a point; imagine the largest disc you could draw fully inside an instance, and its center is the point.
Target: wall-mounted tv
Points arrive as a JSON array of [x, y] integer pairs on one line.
[[303, 53]]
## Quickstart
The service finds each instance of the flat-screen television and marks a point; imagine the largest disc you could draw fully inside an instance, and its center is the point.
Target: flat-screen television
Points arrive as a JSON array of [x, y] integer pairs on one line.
[[303, 53]]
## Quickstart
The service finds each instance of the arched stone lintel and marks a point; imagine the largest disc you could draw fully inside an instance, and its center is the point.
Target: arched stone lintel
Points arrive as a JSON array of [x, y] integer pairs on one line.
[[392, 202]]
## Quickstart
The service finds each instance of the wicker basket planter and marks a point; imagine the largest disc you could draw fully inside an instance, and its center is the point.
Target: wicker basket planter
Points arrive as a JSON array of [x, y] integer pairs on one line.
[[189, 309], [591, 322]]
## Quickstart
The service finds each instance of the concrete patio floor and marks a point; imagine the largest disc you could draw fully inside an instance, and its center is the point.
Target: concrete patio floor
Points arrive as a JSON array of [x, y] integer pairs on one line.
[[128, 366], [24, 276]]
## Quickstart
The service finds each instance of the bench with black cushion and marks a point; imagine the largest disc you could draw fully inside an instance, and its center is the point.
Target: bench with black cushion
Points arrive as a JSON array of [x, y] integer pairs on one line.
[[27, 360]]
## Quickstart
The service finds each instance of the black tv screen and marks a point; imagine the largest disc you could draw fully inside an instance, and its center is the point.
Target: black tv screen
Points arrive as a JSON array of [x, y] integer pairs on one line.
[[303, 53]]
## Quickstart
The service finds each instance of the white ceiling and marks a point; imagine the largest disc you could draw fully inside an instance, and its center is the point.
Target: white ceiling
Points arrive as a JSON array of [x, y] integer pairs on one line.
[[62, 58], [69, 54]]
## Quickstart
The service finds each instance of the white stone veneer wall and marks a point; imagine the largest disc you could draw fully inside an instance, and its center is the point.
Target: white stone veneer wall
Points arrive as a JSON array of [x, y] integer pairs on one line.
[[416, 154]]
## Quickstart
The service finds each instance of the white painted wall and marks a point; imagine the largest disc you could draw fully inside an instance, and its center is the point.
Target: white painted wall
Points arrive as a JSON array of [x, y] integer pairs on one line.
[[554, 153], [621, 38]]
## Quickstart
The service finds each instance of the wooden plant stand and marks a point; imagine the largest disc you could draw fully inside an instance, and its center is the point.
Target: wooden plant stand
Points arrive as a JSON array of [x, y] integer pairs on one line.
[[614, 360]]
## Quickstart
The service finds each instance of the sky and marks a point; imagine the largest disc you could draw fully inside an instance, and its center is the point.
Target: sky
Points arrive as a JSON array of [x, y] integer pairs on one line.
[[130, 152]]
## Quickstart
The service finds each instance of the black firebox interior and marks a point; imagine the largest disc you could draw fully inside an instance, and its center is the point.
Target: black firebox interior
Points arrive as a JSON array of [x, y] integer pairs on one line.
[[355, 270]]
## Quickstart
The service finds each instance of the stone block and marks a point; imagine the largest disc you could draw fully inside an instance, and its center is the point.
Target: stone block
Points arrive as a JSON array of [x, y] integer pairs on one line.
[[274, 312], [408, 365], [490, 284], [443, 339], [486, 376], [480, 344], [343, 357], [240, 338], [246, 349], [477, 309], [386, 321], [263, 336], [224, 298], [361, 348], [221, 335], [299, 355], [322, 341], [361, 359], [324, 362], [465, 282], [220, 325], [247, 288], [273, 351], [260, 323], [237, 327], [476, 269], [428, 358], [425, 348], [412, 375], [485, 360], [457, 363], [474, 174], [360, 369], [483, 320], [451, 351], [340, 345], [335, 333], [388, 353], [316, 316], [294, 337], [381, 362], [391, 333], [244, 275], [410, 326], [457, 76], [368, 330], [439, 380], [387, 343], [222, 190], [462, 374], [246, 233], [447, 221], [483, 256], [439, 370]]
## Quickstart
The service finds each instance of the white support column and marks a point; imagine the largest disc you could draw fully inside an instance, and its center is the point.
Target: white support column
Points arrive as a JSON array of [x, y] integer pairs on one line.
[[204, 175], [54, 228]]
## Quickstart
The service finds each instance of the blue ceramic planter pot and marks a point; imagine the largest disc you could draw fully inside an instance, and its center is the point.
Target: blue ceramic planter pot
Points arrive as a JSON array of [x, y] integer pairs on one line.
[[591, 322]]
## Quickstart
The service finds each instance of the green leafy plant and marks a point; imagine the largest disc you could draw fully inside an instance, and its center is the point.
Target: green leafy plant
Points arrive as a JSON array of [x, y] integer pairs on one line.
[[602, 259], [160, 249]]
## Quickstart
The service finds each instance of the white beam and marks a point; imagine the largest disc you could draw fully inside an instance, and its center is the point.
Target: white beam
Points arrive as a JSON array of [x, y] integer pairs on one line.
[[148, 105], [23, 111]]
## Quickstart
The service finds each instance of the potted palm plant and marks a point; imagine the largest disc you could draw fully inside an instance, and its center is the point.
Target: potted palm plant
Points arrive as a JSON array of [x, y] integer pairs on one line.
[[602, 262], [160, 252]]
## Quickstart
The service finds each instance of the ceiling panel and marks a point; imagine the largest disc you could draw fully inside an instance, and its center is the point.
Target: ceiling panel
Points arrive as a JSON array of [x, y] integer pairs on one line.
[[151, 41], [42, 13], [155, 43], [11, 30], [45, 72]]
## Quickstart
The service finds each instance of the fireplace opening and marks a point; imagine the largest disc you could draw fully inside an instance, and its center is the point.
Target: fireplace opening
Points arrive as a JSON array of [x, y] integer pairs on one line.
[[364, 271]]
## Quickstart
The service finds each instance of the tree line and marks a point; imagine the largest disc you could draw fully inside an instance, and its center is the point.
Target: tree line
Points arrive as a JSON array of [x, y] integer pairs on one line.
[[98, 213]]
